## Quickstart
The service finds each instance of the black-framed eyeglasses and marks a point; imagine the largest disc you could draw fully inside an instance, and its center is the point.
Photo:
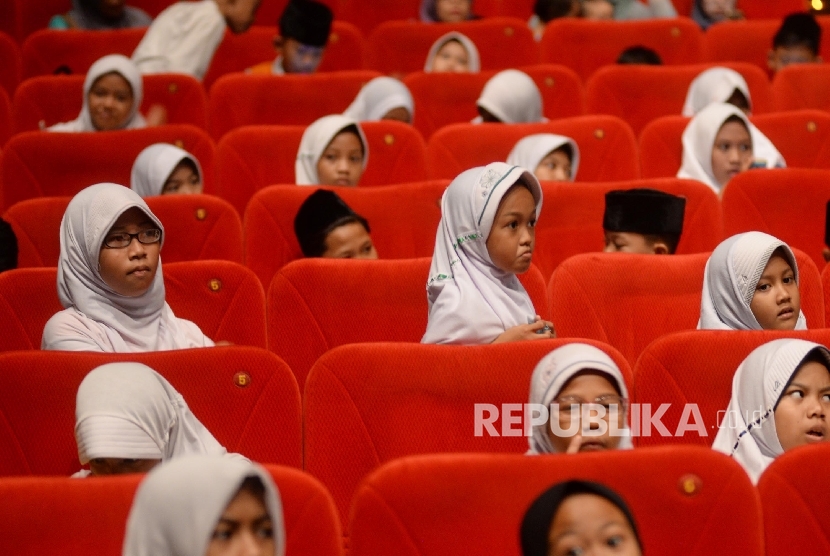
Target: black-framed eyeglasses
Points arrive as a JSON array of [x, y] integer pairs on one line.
[[123, 239]]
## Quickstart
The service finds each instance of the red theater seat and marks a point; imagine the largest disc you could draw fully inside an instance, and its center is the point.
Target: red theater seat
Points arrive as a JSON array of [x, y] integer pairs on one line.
[[607, 147], [368, 14], [368, 404], [474, 503], [270, 241], [10, 70], [246, 397], [72, 51], [743, 41], [33, 16], [9, 19], [315, 305], [46, 164], [771, 8], [800, 86], [825, 283], [585, 45], [253, 157], [5, 117]]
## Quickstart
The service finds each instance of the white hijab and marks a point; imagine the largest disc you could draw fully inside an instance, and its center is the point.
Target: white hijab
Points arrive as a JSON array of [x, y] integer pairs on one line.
[[473, 60], [554, 371], [316, 138], [513, 97], [118, 323], [530, 150], [153, 166], [379, 96], [471, 301], [747, 432], [124, 67], [178, 505], [729, 280]]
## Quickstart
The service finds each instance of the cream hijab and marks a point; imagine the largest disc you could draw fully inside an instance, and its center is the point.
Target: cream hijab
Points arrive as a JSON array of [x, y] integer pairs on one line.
[[729, 280], [471, 301], [178, 505], [747, 432], [531, 150], [316, 138], [379, 96], [124, 67], [154, 165], [513, 97], [551, 375], [473, 60]]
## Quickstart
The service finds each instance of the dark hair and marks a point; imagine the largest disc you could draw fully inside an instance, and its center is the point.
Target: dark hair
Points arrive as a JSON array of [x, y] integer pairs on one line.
[[566, 149], [548, 10], [671, 240], [639, 55], [320, 214], [738, 98], [8, 246], [188, 163], [254, 485], [798, 29], [736, 119], [352, 128]]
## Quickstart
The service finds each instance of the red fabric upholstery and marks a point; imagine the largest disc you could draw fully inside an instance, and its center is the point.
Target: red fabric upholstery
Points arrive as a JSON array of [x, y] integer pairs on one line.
[[661, 149], [28, 298], [9, 63], [315, 305], [5, 117], [239, 99], [90, 516], [627, 91], [401, 47], [771, 9], [766, 201], [368, 14], [48, 49], [155, 7], [571, 221], [254, 157], [33, 16], [442, 99], [270, 241], [36, 223], [801, 86], [744, 41], [825, 283], [474, 503], [259, 418], [371, 403], [696, 367], [607, 147], [585, 45], [38, 164], [9, 19]]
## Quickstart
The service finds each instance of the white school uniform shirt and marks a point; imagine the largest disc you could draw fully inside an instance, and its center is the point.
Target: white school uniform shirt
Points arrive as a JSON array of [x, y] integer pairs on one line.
[[124, 67], [747, 432], [531, 150], [513, 97], [473, 59], [730, 278], [95, 318], [379, 96], [128, 410], [315, 139], [178, 505], [182, 39], [153, 166], [554, 371], [471, 301]]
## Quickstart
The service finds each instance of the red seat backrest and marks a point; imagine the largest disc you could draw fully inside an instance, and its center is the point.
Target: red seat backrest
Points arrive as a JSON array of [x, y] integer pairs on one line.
[[46, 164], [270, 241], [772, 9], [5, 117], [368, 404], [9, 20], [825, 283], [368, 14], [692, 372], [47, 50], [474, 503], [585, 45], [661, 149], [33, 16], [740, 41], [607, 147], [800, 86], [246, 397], [10, 62]]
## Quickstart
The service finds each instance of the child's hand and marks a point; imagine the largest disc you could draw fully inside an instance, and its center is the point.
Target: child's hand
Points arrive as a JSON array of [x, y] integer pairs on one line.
[[527, 332], [575, 445]]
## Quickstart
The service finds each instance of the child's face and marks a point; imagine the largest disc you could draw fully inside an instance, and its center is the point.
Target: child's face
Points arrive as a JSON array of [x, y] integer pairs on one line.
[[590, 524], [239, 14], [628, 242], [183, 180], [556, 166], [586, 387], [110, 102], [350, 241], [129, 270], [801, 414], [732, 152], [717, 9], [452, 11], [342, 161], [783, 56], [452, 57], [244, 528], [300, 58], [513, 235], [398, 114], [597, 9], [776, 303], [100, 467]]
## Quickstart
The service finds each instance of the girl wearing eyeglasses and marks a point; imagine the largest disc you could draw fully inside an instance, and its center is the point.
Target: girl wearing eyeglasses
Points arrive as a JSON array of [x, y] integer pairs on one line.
[[109, 279]]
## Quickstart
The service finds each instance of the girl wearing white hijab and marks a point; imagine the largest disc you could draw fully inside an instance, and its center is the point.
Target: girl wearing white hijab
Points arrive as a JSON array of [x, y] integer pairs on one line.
[[199, 505], [577, 374], [552, 157], [510, 97], [336, 145], [732, 297], [128, 418], [117, 79], [779, 401], [446, 11], [443, 57], [382, 98], [473, 293], [163, 168], [113, 294]]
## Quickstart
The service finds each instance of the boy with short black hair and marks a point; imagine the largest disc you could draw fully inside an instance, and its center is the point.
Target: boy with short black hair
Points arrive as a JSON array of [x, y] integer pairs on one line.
[[642, 221], [797, 42]]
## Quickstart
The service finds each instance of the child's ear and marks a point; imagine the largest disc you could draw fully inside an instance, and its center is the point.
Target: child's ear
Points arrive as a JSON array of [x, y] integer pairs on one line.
[[278, 43], [660, 248]]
